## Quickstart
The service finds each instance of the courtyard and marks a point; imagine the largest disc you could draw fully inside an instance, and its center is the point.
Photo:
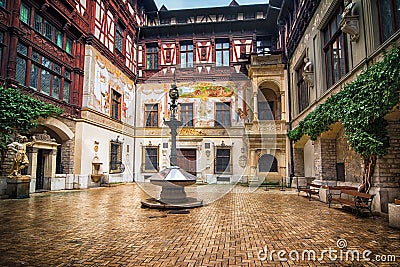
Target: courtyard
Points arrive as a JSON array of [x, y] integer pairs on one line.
[[239, 226]]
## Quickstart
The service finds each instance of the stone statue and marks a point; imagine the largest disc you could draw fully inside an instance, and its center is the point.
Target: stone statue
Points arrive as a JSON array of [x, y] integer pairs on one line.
[[21, 160], [308, 65], [348, 6]]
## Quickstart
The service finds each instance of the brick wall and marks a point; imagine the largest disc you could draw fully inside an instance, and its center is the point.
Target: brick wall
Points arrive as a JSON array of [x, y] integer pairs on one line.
[[325, 159], [298, 158], [352, 161], [387, 172], [68, 147]]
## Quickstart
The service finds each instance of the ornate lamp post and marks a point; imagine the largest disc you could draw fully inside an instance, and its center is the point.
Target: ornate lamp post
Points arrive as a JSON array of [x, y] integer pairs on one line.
[[173, 123], [173, 179]]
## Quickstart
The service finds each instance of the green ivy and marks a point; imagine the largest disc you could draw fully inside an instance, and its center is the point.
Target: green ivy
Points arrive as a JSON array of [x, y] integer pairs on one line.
[[19, 113], [360, 106]]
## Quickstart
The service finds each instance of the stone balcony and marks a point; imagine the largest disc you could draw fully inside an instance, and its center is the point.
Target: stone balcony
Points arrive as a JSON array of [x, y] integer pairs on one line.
[[277, 127]]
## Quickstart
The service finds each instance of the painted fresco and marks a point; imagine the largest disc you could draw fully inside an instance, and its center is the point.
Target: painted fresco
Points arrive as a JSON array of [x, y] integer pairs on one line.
[[203, 95], [205, 90], [105, 78]]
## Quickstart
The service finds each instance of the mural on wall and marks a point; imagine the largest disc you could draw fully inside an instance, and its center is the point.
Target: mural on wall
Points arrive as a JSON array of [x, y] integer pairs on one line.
[[205, 90], [107, 77], [203, 96]]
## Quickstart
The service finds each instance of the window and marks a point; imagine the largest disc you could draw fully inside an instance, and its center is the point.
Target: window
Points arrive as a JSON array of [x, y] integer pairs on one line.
[[51, 33], [151, 113], [267, 163], [24, 13], [119, 37], [187, 114], [3, 3], [186, 55], [116, 165], [44, 75], [223, 160], [222, 54], [389, 17], [302, 89], [263, 46], [335, 50], [150, 159], [222, 114], [67, 86], [115, 105], [152, 57], [68, 46]]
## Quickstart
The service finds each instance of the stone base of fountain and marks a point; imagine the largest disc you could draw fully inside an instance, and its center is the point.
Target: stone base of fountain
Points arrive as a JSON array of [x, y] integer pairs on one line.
[[173, 196]]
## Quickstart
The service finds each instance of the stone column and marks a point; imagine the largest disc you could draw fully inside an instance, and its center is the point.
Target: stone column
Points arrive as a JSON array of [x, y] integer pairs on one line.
[[32, 167], [283, 107], [255, 105], [253, 168]]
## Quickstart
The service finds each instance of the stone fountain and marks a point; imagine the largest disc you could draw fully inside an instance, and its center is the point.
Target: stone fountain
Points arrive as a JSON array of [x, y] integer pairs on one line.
[[173, 179]]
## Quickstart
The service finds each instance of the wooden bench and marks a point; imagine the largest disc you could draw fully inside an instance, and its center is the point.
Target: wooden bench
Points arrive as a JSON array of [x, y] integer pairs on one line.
[[358, 200], [310, 189]]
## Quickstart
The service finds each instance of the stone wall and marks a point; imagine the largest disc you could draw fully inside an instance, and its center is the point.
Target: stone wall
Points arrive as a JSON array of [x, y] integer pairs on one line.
[[325, 159], [387, 172], [68, 148], [298, 158], [352, 161]]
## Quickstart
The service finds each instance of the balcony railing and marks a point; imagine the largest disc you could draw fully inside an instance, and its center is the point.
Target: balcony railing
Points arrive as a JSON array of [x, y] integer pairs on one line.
[[266, 127]]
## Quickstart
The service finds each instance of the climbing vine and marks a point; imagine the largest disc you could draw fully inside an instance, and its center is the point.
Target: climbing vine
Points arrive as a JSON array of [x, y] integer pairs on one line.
[[19, 113], [360, 107]]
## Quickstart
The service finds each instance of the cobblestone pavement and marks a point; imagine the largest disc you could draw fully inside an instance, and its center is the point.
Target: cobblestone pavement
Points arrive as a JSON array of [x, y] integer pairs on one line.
[[107, 227]]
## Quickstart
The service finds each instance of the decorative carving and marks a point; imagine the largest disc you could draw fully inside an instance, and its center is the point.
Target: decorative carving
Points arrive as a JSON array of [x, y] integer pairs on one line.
[[20, 160], [267, 127], [191, 132], [44, 137], [242, 161], [350, 22], [308, 72]]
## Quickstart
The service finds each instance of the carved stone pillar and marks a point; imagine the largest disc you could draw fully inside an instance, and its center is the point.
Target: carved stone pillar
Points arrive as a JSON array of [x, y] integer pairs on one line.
[[255, 105]]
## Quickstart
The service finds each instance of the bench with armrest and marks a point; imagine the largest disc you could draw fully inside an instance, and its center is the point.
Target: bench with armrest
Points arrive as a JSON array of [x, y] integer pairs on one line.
[[356, 200], [310, 189]]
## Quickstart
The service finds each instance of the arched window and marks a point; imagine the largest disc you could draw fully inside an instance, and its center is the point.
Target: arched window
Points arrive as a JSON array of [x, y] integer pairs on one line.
[[267, 163]]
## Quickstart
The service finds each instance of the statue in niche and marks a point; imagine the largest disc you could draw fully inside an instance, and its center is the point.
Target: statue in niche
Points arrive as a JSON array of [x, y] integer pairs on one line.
[[348, 8], [308, 72], [20, 160]]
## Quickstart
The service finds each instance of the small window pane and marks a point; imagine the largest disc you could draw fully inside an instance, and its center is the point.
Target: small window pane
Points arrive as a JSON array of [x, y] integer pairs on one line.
[[35, 56], [24, 13], [45, 82], [67, 74], [67, 86], [48, 30], [34, 76], [3, 3], [20, 70], [58, 40], [22, 49], [38, 23], [56, 87], [68, 46], [46, 62], [57, 68]]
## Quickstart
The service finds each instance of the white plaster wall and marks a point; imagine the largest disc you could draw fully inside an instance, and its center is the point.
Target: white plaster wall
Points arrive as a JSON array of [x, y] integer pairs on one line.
[[91, 134]]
